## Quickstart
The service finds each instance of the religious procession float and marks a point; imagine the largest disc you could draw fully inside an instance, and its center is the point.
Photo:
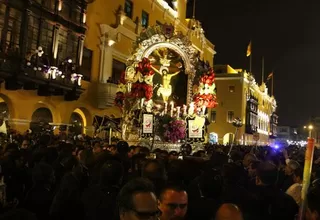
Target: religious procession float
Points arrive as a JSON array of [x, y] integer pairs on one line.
[[166, 91]]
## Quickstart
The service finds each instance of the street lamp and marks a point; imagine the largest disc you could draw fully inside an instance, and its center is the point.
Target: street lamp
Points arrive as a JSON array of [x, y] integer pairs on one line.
[[310, 128], [237, 123]]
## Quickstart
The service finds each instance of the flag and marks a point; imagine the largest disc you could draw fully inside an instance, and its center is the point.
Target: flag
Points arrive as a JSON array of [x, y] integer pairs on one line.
[[269, 76], [249, 49]]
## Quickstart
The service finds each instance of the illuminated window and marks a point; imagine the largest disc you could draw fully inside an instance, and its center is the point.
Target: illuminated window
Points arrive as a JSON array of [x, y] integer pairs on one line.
[[213, 116], [232, 89], [128, 8], [33, 33], [68, 45], [46, 37], [13, 31], [230, 116], [144, 19]]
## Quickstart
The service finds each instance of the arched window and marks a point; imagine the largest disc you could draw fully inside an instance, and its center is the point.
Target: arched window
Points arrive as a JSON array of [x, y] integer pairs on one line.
[[40, 120], [76, 122], [43, 115]]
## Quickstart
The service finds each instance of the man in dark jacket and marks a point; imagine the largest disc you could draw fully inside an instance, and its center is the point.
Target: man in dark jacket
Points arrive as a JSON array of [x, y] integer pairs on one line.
[[272, 203]]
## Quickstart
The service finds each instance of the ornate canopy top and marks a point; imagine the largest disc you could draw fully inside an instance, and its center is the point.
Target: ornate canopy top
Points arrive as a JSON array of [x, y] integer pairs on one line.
[[157, 37]]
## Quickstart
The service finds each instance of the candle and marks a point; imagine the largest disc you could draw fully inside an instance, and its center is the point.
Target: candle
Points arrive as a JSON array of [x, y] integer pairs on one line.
[[171, 108], [165, 108], [184, 109], [178, 112], [204, 110], [191, 108]]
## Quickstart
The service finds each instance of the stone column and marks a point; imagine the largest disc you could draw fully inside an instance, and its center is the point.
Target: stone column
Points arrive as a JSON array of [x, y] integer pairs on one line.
[[105, 59]]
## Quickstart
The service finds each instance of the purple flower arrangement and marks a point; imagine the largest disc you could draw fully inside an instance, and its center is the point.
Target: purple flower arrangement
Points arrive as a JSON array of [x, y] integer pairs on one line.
[[175, 130]]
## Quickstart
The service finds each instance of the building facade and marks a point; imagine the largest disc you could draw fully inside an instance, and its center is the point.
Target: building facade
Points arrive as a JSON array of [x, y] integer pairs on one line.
[[44, 72], [60, 60], [239, 96]]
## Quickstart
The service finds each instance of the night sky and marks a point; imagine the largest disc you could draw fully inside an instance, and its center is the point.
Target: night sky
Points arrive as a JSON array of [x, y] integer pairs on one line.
[[286, 33]]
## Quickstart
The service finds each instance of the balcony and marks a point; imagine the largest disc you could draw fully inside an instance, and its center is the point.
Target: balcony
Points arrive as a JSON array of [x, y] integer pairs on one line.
[[106, 94], [36, 73]]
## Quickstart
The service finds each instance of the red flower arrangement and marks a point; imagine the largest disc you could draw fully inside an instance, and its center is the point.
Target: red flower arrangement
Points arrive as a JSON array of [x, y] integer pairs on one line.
[[205, 96], [141, 90], [138, 89], [208, 78], [144, 67]]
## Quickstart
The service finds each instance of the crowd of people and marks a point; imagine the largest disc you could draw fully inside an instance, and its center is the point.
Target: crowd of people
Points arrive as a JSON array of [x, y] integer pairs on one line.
[[46, 178]]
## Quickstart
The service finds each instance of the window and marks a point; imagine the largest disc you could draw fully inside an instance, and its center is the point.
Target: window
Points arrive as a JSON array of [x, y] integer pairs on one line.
[[230, 116], [117, 69], [66, 8], [48, 4], [68, 45], [144, 19], [33, 33], [213, 116], [86, 66], [128, 8], [46, 38], [12, 36], [232, 89], [76, 14]]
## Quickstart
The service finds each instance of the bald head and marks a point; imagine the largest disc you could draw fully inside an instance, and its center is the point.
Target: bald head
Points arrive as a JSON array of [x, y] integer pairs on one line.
[[228, 212]]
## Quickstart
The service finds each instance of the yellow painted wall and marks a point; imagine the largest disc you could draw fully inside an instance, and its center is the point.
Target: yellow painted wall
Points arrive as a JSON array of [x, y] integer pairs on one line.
[[236, 102]]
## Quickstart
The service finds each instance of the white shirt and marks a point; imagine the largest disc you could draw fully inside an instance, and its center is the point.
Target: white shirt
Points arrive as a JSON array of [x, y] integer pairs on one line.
[[295, 192]]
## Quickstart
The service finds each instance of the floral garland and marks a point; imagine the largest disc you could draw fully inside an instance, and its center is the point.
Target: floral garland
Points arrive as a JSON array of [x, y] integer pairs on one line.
[[205, 94]]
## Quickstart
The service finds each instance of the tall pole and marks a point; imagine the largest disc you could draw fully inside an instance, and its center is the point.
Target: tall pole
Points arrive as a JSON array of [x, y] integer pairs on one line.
[[306, 177], [262, 69], [272, 84], [194, 9], [250, 67]]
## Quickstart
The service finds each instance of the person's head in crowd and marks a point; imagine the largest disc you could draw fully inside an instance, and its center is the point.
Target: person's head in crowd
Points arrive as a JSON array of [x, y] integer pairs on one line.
[[111, 173], [96, 147], [84, 156], [10, 149], [132, 151], [297, 175], [232, 173], [186, 149], [313, 203], [137, 200], [155, 172], [122, 148], [173, 203], [252, 168], [248, 158], [43, 175], [25, 144], [144, 150], [267, 174], [173, 155], [137, 162], [112, 149], [228, 211], [291, 166], [163, 155], [199, 153]]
